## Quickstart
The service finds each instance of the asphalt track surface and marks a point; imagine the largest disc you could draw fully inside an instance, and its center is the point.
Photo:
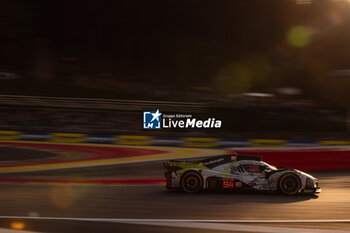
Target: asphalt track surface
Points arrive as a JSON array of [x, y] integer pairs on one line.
[[107, 208]]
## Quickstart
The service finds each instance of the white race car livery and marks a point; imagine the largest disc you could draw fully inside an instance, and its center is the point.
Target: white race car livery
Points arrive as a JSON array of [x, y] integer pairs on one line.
[[235, 171]]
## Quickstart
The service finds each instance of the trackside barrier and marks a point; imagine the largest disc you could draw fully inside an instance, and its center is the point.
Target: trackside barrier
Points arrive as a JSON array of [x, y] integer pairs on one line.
[[305, 158], [199, 142]]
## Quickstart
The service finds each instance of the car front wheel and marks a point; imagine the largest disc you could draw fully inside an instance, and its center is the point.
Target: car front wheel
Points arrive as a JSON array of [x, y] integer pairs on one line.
[[289, 184]]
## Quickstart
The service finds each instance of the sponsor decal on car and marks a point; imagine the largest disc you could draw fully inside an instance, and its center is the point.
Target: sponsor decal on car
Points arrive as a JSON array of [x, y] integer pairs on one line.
[[238, 184]]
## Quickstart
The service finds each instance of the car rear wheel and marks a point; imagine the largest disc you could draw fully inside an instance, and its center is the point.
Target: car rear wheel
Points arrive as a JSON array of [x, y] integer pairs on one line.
[[191, 182], [289, 184]]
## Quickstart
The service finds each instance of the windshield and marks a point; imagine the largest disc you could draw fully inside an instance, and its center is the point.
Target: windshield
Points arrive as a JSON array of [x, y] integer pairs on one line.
[[269, 167]]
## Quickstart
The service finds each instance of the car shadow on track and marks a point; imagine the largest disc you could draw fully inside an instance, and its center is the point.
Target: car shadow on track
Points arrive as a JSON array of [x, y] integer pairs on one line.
[[242, 196]]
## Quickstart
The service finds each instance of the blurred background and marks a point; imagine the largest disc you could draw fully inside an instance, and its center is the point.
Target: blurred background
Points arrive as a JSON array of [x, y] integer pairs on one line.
[[289, 59], [77, 75]]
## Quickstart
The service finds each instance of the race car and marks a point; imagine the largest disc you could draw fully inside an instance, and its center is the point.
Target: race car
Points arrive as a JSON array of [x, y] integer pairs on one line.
[[236, 172]]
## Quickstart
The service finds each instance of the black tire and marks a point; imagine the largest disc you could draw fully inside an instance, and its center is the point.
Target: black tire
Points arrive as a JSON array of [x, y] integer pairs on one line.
[[289, 184], [191, 182]]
